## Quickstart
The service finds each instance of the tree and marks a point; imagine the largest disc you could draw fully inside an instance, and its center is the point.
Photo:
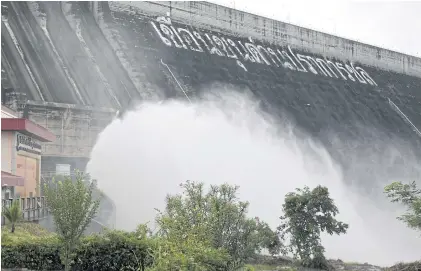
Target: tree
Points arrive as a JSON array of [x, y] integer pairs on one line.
[[216, 218], [307, 214], [13, 214], [410, 196], [73, 207]]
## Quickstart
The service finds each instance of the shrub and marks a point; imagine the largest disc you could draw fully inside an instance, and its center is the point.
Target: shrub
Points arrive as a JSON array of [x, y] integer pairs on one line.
[[116, 250], [248, 267], [113, 250], [34, 256]]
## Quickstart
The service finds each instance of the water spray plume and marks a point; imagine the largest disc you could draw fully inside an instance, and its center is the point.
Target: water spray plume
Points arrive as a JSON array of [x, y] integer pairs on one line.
[[141, 158]]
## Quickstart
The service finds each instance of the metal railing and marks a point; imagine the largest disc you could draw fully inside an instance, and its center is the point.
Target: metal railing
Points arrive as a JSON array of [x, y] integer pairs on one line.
[[404, 117], [33, 208]]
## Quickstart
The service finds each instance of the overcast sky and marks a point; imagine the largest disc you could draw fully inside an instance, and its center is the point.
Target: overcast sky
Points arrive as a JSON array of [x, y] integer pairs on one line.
[[395, 25]]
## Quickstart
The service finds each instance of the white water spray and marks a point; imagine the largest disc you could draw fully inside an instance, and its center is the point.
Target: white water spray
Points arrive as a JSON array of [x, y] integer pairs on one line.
[[140, 159]]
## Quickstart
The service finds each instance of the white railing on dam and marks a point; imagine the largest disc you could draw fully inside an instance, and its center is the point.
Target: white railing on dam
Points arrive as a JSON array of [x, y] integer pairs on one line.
[[404, 117]]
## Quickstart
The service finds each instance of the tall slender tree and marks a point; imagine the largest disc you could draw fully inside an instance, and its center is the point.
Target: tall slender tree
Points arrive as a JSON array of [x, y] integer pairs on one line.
[[73, 207]]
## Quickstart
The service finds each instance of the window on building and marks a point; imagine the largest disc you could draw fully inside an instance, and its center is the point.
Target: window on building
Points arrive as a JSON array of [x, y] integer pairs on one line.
[[63, 169]]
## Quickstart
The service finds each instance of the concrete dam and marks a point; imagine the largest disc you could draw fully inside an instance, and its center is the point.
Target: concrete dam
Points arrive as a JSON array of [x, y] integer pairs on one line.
[[73, 66]]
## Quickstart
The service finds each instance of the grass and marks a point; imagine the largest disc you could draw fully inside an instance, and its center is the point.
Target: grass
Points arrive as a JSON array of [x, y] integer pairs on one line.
[[267, 267], [25, 232], [263, 267]]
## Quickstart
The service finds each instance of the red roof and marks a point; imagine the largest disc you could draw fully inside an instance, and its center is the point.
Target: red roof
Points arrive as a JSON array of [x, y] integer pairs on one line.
[[28, 128], [8, 179]]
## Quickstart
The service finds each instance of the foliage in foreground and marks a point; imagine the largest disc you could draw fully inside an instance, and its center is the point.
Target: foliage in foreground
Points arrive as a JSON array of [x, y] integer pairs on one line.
[[114, 250], [307, 214], [216, 220], [198, 231], [73, 207], [13, 214], [414, 266], [410, 196], [26, 232]]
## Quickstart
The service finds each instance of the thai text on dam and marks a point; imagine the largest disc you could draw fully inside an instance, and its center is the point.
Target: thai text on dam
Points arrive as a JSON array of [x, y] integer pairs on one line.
[[250, 52]]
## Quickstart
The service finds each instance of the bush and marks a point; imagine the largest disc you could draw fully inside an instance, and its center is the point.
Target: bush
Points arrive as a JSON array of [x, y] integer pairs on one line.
[[187, 254], [34, 256], [114, 250]]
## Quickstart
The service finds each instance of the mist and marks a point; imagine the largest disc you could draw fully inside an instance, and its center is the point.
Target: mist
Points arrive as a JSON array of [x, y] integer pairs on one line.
[[225, 137]]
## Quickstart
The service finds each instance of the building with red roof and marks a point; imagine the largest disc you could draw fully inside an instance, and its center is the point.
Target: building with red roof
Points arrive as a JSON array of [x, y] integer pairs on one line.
[[21, 151]]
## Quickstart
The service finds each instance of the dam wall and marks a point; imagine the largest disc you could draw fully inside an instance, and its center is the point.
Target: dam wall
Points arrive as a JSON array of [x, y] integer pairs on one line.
[[360, 102], [355, 99], [234, 22]]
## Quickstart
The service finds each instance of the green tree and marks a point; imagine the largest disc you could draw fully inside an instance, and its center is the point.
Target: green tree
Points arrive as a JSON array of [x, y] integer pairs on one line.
[[410, 196], [189, 253], [13, 214], [216, 218], [307, 213], [73, 207]]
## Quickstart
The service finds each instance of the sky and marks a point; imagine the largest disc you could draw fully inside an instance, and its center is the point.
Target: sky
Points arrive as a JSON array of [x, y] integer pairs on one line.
[[394, 25]]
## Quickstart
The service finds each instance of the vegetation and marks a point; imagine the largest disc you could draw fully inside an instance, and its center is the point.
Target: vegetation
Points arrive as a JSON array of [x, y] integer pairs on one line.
[[73, 207], [410, 196], [25, 232], [307, 214], [114, 250], [414, 266], [13, 214], [199, 229], [218, 220]]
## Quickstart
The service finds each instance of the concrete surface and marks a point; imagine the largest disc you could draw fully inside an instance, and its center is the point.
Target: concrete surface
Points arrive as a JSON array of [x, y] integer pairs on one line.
[[110, 54]]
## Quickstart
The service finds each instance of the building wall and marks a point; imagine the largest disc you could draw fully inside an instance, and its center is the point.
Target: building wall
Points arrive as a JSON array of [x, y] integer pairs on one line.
[[8, 143], [28, 167], [7, 146], [20, 163]]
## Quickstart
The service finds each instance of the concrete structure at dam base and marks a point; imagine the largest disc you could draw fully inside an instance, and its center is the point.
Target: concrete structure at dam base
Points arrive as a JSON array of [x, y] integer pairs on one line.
[[71, 66]]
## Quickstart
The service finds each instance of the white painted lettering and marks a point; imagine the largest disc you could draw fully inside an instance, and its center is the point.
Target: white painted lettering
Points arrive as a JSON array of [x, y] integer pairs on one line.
[[301, 68], [366, 76], [163, 39], [214, 49], [178, 37], [303, 58], [246, 54], [219, 43], [230, 53], [190, 40], [250, 52], [341, 67], [356, 74], [287, 64]]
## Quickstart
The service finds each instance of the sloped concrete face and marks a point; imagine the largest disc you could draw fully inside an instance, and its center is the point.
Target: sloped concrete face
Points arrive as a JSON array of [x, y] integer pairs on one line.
[[347, 105], [110, 54]]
